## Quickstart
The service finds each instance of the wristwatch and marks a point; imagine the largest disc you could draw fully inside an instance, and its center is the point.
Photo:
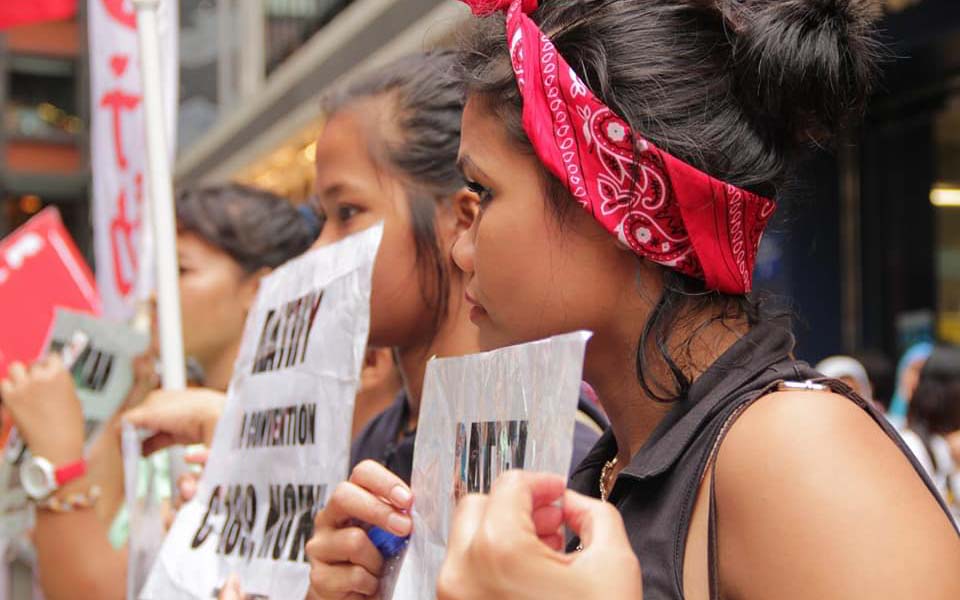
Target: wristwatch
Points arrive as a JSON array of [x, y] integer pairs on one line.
[[40, 478]]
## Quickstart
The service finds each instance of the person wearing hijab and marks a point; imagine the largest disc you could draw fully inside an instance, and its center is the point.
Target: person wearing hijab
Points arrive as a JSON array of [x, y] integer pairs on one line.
[[850, 371], [908, 375]]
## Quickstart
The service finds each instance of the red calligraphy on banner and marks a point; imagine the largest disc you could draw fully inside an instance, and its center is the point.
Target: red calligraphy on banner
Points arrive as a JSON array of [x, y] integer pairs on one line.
[[119, 12], [118, 101], [123, 227], [122, 231]]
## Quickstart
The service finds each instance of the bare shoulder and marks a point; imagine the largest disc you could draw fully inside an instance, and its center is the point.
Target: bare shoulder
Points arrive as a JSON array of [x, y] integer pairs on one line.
[[814, 497]]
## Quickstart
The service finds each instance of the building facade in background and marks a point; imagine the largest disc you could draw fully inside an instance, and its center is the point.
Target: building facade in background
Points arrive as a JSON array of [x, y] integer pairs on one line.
[[43, 147], [865, 250]]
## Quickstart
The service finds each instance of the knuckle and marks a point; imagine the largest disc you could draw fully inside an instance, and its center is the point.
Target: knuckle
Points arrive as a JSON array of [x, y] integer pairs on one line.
[[316, 578], [512, 478], [354, 541], [448, 583], [319, 521], [340, 495], [360, 469], [358, 578], [319, 580], [498, 559]]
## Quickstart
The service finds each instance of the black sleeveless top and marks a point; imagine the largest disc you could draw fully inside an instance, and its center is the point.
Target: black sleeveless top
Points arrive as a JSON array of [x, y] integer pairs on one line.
[[656, 492]]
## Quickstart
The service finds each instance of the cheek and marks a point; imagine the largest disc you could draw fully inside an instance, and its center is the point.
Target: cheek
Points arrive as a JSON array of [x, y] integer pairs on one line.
[[210, 308], [514, 266], [538, 278], [397, 306]]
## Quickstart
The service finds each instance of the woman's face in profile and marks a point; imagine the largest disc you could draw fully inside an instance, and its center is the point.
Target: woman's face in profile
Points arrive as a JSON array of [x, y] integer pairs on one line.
[[528, 274], [354, 193], [213, 304]]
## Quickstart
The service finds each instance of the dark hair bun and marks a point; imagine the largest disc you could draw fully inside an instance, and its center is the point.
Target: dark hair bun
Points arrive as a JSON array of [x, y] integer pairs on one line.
[[256, 228], [805, 65]]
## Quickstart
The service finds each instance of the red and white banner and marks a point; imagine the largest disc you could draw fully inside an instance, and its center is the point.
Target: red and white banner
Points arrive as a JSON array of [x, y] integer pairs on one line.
[[123, 245], [40, 270]]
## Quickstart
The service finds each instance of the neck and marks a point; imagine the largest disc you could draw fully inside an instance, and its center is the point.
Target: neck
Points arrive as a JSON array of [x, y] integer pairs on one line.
[[218, 371], [633, 413], [456, 336]]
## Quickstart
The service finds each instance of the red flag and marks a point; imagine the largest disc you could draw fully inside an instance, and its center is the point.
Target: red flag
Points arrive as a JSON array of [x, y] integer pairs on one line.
[[22, 12]]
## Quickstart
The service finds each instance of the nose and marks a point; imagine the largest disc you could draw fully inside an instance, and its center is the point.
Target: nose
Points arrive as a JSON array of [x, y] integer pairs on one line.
[[463, 249], [328, 235]]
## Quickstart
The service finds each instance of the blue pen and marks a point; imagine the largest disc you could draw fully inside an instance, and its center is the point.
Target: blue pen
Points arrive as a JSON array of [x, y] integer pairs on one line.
[[388, 544]]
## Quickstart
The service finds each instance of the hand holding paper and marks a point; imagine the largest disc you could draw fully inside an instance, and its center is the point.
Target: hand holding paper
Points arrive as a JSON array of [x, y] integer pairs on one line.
[[178, 417], [506, 546], [343, 560], [43, 403], [283, 440]]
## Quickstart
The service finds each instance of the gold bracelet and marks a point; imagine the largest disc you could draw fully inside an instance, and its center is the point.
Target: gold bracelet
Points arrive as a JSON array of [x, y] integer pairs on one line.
[[74, 501]]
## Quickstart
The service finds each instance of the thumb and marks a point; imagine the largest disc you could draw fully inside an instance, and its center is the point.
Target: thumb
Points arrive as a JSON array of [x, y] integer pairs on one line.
[[231, 589], [592, 520], [466, 520]]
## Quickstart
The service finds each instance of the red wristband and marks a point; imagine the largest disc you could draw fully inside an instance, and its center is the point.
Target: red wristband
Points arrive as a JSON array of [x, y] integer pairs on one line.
[[70, 471]]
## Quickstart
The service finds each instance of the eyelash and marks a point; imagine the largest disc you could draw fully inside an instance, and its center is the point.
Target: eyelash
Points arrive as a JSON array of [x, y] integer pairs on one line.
[[483, 193], [345, 212]]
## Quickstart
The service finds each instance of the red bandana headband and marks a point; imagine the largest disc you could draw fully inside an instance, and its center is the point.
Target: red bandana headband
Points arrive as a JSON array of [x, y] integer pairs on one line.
[[672, 214]]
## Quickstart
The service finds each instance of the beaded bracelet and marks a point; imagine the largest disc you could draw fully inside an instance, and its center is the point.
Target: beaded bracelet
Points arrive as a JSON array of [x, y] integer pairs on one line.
[[75, 501]]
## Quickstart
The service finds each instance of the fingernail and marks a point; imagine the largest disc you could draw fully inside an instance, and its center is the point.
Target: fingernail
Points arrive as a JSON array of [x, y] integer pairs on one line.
[[401, 496], [399, 524]]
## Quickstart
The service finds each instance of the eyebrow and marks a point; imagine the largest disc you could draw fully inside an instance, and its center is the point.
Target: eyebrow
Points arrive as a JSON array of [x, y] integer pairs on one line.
[[332, 192], [464, 162]]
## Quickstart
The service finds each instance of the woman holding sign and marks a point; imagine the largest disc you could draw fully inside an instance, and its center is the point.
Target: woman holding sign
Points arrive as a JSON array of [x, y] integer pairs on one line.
[[388, 153], [229, 237], [626, 155]]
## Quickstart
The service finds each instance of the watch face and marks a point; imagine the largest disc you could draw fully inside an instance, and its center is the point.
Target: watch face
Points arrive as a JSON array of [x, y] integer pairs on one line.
[[36, 476]]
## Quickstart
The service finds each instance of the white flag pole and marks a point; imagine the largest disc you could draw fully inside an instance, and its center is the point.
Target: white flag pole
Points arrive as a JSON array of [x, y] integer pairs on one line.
[[160, 186]]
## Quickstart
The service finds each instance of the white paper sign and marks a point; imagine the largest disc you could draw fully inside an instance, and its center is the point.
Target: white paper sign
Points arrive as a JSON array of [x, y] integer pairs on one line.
[[103, 371], [482, 415], [144, 510], [283, 441]]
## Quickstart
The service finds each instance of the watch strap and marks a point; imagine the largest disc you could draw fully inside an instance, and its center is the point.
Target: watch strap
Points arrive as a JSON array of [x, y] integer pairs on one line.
[[70, 471]]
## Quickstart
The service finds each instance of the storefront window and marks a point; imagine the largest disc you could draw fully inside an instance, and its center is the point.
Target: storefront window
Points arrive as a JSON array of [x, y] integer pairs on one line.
[[945, 197]]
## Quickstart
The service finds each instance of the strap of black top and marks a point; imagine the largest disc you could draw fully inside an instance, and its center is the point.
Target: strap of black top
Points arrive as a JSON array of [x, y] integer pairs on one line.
[[713, 563], [837, 387]]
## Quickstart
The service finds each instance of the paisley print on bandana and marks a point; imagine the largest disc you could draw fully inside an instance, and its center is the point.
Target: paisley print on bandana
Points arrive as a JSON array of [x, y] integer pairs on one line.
[[658, 206]]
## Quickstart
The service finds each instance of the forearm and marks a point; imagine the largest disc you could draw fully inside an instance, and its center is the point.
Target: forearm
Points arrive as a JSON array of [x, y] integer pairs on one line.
[[105, 469], [76, 559]]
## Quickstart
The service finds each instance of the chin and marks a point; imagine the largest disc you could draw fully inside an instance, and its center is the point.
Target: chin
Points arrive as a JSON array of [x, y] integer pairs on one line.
[[493, 339], [490, 339]]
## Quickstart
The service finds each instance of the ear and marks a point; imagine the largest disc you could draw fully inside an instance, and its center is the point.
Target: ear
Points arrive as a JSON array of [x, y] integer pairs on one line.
[[378, 370], [251, 285], [466, 207]]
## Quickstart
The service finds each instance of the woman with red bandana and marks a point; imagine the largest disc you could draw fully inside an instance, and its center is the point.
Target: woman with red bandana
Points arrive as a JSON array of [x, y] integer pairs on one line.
[[627, 155]]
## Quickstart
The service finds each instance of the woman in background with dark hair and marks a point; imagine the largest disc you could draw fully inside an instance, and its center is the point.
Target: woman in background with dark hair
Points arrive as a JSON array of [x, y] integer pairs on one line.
[[627, 155], [228, 238], [933, 421]]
